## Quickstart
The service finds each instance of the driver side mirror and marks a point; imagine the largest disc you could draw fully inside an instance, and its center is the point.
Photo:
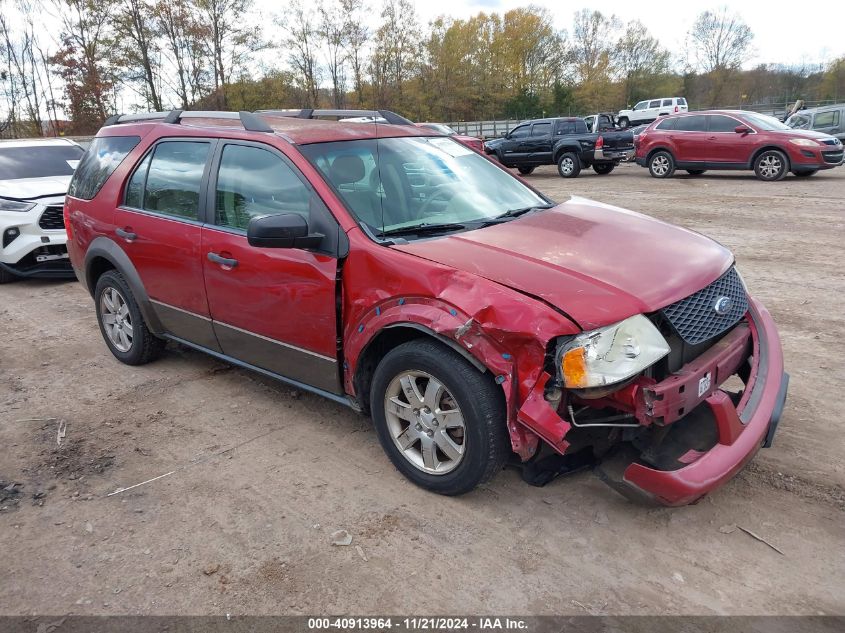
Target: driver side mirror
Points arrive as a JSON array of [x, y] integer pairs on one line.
[[287, 230], [508, 136], [741, 129]]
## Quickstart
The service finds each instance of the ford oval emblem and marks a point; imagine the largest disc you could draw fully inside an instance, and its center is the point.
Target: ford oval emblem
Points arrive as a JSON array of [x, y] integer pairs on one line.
[[723, 305]]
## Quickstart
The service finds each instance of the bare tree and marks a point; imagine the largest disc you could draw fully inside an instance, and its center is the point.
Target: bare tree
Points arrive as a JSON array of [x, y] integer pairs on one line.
[[137, 44], [332, 33], [397, 53], [639, 57], [183, 38], [720, 40], [230, 39], [355, 38], [300, 25]]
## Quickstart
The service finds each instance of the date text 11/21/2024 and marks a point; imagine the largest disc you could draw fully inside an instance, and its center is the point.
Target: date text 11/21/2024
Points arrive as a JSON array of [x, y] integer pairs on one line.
[[417, 623]]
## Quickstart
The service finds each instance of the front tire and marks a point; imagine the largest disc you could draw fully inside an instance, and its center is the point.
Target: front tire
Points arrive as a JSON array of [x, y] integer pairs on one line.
[[6, 277], [624, 123], [440, 421], [661, 164], [525, 171], [121, 323], [603, 168], [771, 166], [569, 165]]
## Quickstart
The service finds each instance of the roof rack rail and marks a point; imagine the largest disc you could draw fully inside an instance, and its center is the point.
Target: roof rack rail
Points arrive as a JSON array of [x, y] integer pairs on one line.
[[311, 113], [250, 121]]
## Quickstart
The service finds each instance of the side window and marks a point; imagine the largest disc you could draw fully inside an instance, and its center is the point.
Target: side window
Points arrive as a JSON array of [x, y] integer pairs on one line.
[[667, 102], [520, 132], [720, 123], [103, 156], [174, 178], [566, 127], [692, 123], [826, 119], [682, 101], [541, 129], [654, 104], [252, 182], [135, 188], [589, 123], [666, 124], [642, 105]]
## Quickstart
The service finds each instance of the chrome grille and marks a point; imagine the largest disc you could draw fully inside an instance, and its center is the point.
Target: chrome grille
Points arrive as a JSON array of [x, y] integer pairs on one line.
[[52, 219], [695, 318]]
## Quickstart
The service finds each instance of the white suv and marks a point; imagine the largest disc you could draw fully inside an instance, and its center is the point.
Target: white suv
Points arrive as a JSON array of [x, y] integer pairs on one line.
[[34, 176], [648, 111]]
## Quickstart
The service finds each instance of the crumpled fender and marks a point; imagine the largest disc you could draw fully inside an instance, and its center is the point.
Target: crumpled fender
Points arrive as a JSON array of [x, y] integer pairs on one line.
[[505, 331]]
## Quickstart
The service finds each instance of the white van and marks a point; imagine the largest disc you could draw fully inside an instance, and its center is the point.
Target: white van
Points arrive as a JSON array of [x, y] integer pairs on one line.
[[648, 111]]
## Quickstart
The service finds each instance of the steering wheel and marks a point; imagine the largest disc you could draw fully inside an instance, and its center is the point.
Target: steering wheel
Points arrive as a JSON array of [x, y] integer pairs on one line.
[[438, 194]]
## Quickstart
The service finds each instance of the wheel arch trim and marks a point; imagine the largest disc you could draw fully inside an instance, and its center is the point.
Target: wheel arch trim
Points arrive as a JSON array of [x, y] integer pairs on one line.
[[105, 248]]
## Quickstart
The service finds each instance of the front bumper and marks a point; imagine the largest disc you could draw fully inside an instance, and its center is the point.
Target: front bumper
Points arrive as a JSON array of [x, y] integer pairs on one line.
[[28, 250], [742, 430]]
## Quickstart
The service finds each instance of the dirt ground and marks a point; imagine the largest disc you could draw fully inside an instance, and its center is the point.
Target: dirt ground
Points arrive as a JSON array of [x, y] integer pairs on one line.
[[259, 476]]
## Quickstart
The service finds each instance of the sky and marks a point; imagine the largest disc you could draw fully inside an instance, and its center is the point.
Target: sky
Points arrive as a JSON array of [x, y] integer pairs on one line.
[[785, 32]]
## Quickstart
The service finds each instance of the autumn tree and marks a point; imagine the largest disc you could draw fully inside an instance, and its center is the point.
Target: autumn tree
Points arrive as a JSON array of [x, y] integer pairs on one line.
[[641, 63], [396, 54], [593, 53], [84, 61], [186, 67]]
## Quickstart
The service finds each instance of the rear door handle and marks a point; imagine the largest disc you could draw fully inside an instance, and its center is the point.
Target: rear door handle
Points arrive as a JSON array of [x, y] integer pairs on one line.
[[226, 262], [126, 234]]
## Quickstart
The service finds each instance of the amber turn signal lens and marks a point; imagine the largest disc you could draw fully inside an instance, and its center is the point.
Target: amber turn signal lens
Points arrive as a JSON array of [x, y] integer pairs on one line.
[[574, 368]]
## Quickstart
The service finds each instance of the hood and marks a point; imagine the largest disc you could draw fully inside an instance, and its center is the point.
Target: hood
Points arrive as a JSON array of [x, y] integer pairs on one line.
[[816, 136], [31, 188], [596, 263]]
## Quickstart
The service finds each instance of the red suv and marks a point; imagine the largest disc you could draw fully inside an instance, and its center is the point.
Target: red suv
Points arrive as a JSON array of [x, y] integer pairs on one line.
[[730, 139], [400, 273]]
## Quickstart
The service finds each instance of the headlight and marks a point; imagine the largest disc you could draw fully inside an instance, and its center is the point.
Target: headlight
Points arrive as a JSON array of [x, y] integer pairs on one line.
[[611, 354], [14, 205], [804, 142]]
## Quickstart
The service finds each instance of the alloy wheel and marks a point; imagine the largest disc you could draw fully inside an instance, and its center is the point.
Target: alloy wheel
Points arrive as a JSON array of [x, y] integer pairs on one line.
[[660, 165], [425, 422], [567, 165], [117, 320], [770, 166]]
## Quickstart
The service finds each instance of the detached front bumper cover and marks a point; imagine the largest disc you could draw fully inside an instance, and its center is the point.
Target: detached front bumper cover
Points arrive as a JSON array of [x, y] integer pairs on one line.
[[742, 432]]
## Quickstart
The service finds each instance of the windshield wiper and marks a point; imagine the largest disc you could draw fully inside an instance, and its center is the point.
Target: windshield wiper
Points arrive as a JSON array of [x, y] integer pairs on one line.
[[423, 229], [515, 213]]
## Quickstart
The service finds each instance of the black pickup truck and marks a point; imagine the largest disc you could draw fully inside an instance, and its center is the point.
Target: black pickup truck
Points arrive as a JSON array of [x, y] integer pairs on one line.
[[565, 142]]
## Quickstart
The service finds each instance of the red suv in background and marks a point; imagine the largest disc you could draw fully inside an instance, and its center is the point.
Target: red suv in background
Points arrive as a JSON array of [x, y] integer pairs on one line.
[[399, 272], [441, 128], [731, 139]]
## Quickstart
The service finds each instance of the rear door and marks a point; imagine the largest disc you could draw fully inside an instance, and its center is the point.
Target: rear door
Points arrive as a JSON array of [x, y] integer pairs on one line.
[[274, 308], [160, 229], [689, 138]]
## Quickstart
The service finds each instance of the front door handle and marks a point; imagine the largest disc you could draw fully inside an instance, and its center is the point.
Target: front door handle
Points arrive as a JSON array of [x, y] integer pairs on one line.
[[126, 234], [226, 262]]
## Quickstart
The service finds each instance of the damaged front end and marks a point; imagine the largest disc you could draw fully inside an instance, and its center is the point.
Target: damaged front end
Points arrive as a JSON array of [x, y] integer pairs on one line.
[[673, 403]]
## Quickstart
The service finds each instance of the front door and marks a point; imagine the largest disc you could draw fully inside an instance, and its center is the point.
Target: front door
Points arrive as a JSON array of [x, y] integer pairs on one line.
[[725, 147], [274, 308], [158, 226], [515, 146]]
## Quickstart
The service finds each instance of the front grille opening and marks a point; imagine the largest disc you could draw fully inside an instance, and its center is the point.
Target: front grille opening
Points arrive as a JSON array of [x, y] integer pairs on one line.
[[52, 219]]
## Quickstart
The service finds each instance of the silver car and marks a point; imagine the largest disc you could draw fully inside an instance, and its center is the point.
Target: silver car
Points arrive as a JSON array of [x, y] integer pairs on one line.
[[827, 119]]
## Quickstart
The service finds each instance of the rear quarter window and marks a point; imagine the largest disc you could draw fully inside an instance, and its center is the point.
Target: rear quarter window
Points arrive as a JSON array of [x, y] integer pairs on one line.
[[102, 157]]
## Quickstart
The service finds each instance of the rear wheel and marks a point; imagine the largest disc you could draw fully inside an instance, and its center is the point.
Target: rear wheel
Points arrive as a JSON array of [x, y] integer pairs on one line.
[[623, 123], [695, 172], [661, 164], [440, 421], [569, 165], [603, 168], [526, 170], [805, 174], [121, 324], [771, 165]]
